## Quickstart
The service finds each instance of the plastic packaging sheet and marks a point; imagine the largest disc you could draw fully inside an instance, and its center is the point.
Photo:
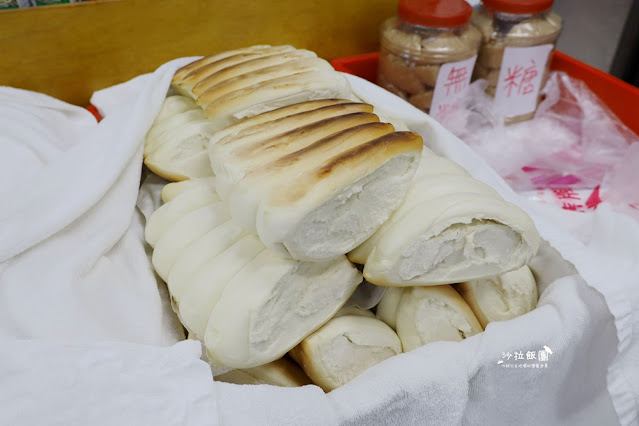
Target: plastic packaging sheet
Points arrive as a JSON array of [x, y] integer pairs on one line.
[[562, 156], [622, 184]]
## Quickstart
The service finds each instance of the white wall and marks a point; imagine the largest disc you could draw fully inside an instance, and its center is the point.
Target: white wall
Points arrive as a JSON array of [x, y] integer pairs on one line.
[[592, 29]]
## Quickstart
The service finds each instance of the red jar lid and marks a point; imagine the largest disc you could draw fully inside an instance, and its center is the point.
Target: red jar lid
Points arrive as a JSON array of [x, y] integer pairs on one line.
[[435, 13], [520, 7]]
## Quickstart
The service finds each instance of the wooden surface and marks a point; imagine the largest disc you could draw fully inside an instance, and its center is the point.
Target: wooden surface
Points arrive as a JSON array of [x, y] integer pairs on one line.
[[68, 51]]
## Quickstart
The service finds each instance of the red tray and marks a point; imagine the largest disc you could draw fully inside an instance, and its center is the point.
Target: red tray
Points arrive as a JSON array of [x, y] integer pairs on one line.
[[621, 97]]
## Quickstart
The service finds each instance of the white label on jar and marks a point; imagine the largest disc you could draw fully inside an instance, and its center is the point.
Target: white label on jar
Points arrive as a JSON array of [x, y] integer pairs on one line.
[[453, 79], [522, 69]]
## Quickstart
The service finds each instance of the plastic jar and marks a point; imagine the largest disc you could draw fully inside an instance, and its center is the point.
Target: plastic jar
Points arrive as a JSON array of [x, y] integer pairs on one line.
[[518, 37], [428, 52]]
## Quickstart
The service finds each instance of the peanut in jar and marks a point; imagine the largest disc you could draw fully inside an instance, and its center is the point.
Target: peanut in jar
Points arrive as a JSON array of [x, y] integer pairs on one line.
[[425, 39], [518, 37]]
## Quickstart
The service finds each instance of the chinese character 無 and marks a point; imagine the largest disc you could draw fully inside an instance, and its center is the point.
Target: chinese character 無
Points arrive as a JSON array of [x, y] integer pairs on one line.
[[456, 80]]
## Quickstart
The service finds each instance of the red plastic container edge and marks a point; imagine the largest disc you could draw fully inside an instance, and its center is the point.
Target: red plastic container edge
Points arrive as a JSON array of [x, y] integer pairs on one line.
[[93, 110], [621, 97]]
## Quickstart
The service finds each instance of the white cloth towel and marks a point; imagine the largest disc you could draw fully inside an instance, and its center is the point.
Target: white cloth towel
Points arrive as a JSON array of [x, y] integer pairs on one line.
[[72, 255], [74, 268]]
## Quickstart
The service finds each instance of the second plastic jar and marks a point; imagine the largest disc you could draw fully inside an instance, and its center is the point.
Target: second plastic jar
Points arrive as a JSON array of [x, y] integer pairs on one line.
[[518, 37], [428, 52]]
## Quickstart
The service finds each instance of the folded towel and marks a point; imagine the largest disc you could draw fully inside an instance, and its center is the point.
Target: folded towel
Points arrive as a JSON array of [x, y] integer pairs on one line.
[[72, 255]]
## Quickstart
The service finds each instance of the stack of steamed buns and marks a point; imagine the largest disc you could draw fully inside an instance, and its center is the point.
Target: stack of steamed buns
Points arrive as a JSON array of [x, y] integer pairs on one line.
[[284, 182]]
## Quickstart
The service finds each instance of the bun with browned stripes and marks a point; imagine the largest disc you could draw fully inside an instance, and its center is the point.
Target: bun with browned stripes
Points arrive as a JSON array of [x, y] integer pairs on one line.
[[316, 179], [242, 83]]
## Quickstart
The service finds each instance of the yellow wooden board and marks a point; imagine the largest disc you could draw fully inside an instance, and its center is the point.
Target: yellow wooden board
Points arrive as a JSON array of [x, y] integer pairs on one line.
[[69, 51]]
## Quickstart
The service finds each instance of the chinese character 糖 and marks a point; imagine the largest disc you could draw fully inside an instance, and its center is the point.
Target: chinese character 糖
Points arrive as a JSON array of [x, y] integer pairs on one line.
[[513, 74], [526, 85]]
